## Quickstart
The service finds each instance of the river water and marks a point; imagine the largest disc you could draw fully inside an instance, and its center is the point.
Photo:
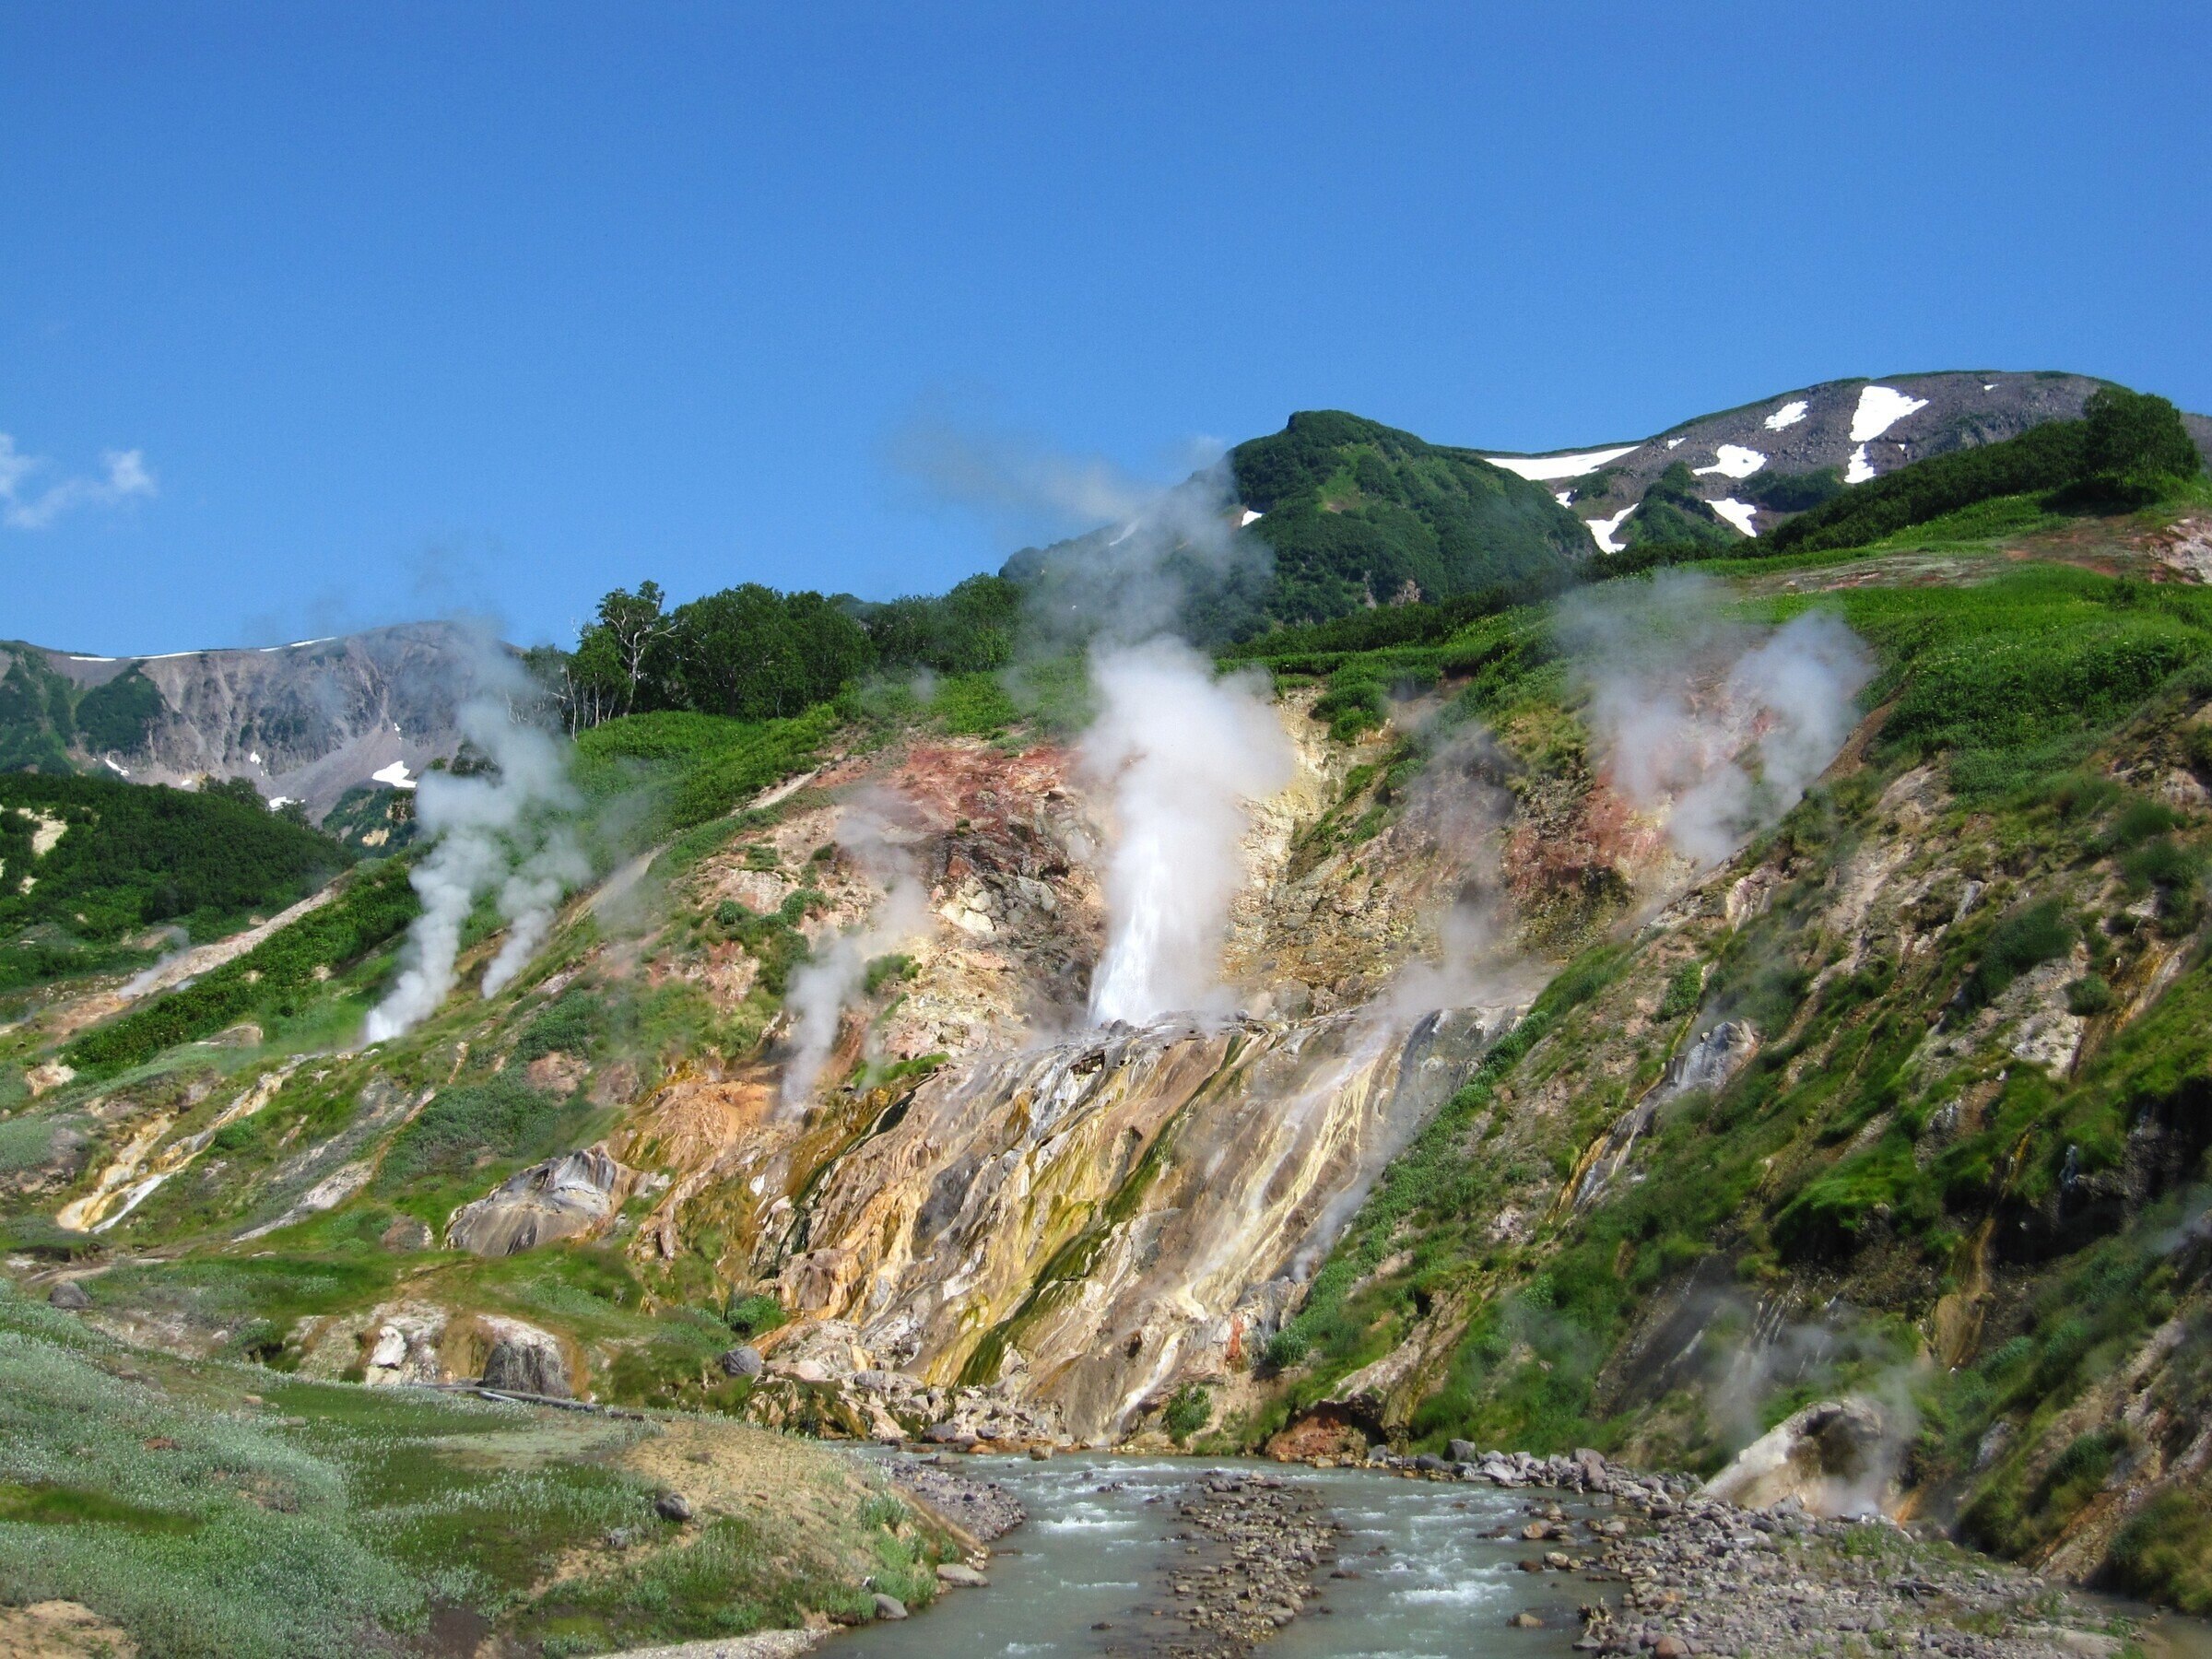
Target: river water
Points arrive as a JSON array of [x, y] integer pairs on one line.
[[1096, 1543]]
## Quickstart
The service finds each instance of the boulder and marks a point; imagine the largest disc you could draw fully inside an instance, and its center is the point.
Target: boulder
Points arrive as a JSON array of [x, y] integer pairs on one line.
[[888, 1607], [742, 1362], [69, 1295], [574, 1194], [673, 1506], [407, 1233], [1834, 1458], [962, 1576], [1462, 1451]]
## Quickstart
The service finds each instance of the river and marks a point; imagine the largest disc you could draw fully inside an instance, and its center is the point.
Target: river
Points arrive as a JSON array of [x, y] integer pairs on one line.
[[1096, 1543]]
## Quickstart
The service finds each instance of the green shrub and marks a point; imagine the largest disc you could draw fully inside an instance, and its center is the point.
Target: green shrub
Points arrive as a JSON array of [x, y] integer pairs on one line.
[[1683, 989], [1188, 1413], [753, 1314], [2026, 937], [2090, 994]]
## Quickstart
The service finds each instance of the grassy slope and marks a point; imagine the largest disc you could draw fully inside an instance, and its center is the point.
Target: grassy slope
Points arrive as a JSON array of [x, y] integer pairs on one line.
[[213, 1509]]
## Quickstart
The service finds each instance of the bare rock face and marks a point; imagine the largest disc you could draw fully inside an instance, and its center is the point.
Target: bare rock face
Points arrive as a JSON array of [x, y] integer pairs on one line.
[[306, 721], [524, 1359], [1834, 1458], [575, 1194]]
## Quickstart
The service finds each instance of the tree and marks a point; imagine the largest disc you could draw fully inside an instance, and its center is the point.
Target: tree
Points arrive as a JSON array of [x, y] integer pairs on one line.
[[2136, 436], [634, 633]]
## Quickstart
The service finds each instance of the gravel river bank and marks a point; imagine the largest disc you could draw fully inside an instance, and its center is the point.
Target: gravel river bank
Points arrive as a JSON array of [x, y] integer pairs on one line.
[[1180, 1557]]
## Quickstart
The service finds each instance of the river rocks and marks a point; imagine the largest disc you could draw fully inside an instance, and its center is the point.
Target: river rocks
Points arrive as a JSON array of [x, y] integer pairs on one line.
[[573, 1195], [979, 1507], [69, 1296], [961, 1576], [742, 1362], [1702, 1577], [1256, 1544], [888, 1607]]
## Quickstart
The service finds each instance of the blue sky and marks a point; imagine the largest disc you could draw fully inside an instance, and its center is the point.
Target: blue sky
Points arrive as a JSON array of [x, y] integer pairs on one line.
[[319, 315]]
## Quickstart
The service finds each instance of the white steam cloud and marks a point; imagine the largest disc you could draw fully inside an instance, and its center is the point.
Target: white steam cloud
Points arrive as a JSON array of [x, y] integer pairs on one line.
[[1183, 753], [1161, 554], [1704, 720], [496, 831], [826, 985]]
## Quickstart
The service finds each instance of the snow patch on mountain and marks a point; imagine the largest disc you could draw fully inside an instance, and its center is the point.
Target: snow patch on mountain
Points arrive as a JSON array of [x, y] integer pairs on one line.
[[1543, 469], [1739, 514], [1881, 408], [1789, 415], [1604, 529], [1733, 460]]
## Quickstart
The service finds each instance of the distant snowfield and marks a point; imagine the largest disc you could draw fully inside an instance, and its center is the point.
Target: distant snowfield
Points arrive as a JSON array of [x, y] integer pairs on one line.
[[395, 775], [1250, 518], [1733, 461], [1602, 530], [1736, 512], [1542, 469], [1880, 407], [1789, 415], [1861, 469]]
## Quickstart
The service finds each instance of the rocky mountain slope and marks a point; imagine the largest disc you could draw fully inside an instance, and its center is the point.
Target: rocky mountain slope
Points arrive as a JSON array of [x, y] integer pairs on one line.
[[1757, 463], [305, 722]]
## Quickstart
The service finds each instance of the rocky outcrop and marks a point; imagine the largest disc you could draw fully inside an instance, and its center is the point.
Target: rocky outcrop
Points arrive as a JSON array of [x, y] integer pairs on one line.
[[524, 1359], [569, 1196], [1084, 1223]]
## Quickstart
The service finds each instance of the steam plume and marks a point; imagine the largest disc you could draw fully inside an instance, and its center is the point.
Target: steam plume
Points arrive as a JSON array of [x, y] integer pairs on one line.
[[1184, 752], [821, 991], [491, 830], [1703, 720], [1174, 560]]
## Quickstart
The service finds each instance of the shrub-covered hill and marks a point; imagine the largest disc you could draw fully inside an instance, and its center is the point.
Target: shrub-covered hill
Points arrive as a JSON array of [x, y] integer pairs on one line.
[[1361, 514], [86, 863]]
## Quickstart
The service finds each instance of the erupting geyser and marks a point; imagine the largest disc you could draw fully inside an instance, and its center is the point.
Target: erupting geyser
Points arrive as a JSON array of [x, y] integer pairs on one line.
[[1184, 753]]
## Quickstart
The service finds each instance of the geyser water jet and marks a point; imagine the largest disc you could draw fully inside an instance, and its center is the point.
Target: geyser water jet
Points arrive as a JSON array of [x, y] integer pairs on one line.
[[1185, 754]]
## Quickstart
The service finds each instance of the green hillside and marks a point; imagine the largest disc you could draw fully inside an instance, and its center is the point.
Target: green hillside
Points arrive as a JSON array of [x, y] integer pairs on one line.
[[1361, 515], [86, 864]]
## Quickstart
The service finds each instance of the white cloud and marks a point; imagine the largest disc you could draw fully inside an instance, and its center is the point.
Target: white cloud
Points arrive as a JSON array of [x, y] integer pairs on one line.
[[125, 478]]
